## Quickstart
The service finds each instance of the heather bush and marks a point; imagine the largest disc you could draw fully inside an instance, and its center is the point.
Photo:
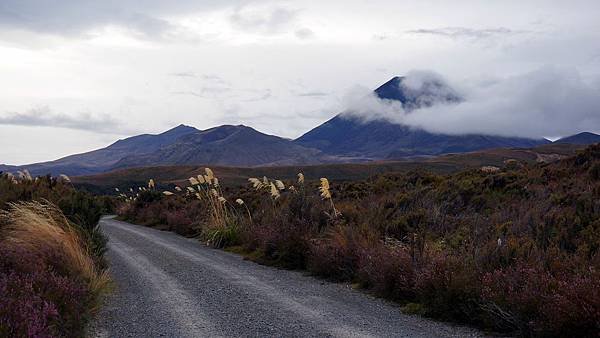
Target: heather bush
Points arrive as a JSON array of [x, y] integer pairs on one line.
[[513, 249], [51, 257], [531, 299], [38, 300], [388, 270]]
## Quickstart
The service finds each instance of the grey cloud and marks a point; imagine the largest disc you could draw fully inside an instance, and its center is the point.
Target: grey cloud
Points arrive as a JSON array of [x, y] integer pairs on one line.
[[466, 33], [212, 77], [381, 37], [313, 94], [305, 33], [548, 102], [77, 17], [44, 117], [184, 74], [206, 92], [264, 20], [264, 96]]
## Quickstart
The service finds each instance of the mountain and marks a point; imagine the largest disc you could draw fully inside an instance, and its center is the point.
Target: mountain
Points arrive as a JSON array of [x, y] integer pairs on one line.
[[581, 138], [104, 159], [224, 145], [229, 146], [350, 136]]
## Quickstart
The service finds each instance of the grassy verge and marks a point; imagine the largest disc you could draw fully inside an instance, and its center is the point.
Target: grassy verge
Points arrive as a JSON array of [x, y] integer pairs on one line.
[[512, 249], [52, 271]]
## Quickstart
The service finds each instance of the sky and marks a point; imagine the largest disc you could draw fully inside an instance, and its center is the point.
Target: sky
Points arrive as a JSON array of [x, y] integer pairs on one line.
[[77, 75]]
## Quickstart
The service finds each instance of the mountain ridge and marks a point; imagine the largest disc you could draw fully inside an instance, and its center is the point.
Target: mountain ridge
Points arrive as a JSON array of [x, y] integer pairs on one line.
[[343, 138], [348, 135]]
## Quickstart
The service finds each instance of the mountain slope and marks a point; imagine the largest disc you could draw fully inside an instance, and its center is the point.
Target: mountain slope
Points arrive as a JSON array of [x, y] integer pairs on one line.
[[581, 138], [349, 136], [104, 159], [227, 145]]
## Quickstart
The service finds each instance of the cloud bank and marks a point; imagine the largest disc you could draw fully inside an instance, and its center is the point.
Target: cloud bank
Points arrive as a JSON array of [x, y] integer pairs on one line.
[[43, 117], [548, 102], [467, 32]]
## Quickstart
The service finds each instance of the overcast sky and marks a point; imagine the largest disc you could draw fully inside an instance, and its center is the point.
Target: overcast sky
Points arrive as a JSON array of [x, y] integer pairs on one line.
[[78, 74]]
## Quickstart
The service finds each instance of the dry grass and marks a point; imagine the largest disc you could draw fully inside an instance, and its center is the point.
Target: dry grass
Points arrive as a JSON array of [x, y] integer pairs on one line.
[[42, 229]]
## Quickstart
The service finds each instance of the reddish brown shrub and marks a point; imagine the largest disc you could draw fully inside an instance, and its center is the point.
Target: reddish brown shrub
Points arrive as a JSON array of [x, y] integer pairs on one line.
[[533, 300], [388, 271], [448, 286]]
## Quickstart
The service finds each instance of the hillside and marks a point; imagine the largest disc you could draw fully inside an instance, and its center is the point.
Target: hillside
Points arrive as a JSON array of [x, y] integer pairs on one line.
[[227, 145], [223, 145], [350, 136], [104, 159], [581, 138], [236, 176]]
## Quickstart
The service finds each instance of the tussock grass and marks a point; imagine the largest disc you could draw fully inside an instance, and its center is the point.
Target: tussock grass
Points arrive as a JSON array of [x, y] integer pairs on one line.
[[41, 229]]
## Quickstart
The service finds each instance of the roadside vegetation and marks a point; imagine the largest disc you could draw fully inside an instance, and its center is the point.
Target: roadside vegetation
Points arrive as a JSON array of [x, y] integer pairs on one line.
[[511, 249], [52, 271]]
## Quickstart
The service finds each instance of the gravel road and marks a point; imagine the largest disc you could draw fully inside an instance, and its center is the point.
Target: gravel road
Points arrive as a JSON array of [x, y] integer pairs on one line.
[[168, 285]]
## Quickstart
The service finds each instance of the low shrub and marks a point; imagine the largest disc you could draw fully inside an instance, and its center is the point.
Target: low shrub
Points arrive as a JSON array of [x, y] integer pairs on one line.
[[514, 249], [48, 273]]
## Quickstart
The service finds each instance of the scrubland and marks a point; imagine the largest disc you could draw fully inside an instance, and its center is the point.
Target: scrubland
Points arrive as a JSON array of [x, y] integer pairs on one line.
[[52, 272], [514, 249]]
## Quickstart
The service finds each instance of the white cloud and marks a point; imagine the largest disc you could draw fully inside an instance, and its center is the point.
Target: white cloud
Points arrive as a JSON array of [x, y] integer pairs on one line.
[[548, 102]]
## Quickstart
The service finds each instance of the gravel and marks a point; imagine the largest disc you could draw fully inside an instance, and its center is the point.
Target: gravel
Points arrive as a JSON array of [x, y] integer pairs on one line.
[[168, 285]]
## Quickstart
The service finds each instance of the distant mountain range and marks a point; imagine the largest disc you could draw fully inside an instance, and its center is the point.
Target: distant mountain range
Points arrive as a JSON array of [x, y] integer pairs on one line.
[[344, 138], [349, 136], [581, 138]]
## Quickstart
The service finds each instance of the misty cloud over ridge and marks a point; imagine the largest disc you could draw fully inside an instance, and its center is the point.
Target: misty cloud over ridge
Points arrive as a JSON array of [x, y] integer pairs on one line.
[[548, 102], [44, 117]]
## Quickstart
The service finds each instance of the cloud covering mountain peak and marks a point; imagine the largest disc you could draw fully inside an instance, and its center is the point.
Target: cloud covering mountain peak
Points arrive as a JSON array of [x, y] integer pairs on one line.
[[547, 102]]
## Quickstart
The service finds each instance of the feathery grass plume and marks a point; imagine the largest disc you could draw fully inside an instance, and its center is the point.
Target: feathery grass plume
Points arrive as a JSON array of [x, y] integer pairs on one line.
[[117, 190], [28, 176], [64, 178], [300, 178], [489, 169], [292, 189], [20, 175], [42, 229], [241, 202], [193, 181], [265, 180], [279, 185], [326, 195], [216, 182], [177, 188], [167, 193], [324, 189], [198, 196], [256, 183], [222, 199], [151, 184], [190, 189], [207, 179], [214, 192], [201, 179], [12, 178], [209, 173], [274, 191], [130, 189]]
